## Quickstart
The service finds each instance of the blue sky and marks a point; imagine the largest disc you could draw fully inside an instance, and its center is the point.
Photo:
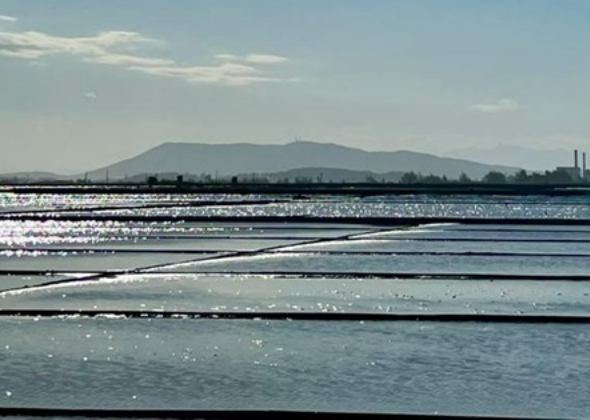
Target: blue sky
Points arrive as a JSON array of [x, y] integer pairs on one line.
[[84, 83]]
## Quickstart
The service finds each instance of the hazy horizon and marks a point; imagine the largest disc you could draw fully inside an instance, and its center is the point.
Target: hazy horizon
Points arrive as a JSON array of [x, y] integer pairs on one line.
[[518, 158], [88, 83]]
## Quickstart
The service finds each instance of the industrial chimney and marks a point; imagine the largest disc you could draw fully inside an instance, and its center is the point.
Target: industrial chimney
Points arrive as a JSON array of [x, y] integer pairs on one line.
[[584, 166], [576, 159]]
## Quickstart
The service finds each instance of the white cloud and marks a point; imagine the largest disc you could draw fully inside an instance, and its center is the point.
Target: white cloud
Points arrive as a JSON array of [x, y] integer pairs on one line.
[[37, 44], [26, 54], [231, 74], [118, 48], [265, 59], [254, 58], [91, 96], [10, 19], [128, 60], [227, 57], [503, 105]]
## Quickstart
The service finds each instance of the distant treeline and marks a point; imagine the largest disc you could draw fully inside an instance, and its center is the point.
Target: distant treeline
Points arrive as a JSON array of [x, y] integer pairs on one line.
[[521, 177], [558, 176]]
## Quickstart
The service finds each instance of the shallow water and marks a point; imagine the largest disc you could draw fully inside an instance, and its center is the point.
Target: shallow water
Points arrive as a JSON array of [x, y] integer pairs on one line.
[[405, 366], [427, 264], [188, 292], [415, 367]]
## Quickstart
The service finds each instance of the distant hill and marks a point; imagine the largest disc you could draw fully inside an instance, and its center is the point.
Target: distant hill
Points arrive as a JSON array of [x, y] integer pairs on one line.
[[530, 159], [334, 175], [292, 175], [242, 158], [34, 176]]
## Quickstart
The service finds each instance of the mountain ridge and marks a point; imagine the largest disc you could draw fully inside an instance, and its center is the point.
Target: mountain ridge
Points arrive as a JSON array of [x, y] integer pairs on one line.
[[241, 158]]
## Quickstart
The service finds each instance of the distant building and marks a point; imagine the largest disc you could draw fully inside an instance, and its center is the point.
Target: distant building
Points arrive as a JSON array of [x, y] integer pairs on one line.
[[574, 171]]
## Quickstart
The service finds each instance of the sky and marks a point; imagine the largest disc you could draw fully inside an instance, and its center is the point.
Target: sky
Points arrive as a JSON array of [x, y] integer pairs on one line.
[[85, 83]]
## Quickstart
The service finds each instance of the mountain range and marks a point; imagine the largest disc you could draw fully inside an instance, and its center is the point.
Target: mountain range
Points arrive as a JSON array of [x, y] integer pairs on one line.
[[243, 158]]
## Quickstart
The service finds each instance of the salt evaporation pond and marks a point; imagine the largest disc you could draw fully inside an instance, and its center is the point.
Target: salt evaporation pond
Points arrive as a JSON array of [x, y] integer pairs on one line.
[[470, 368]]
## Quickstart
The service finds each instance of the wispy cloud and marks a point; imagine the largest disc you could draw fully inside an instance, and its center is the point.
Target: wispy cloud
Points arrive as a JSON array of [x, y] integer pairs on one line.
[[34, 45], [254, 58], [227, 57], [92, 96], [119, 48], [265, 58], [5, 18], [503, 105], [128, 60], [225, 74]]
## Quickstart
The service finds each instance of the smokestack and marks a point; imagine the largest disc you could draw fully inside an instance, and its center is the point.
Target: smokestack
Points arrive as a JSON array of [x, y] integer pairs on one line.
[[584, 166], [576, 159]]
